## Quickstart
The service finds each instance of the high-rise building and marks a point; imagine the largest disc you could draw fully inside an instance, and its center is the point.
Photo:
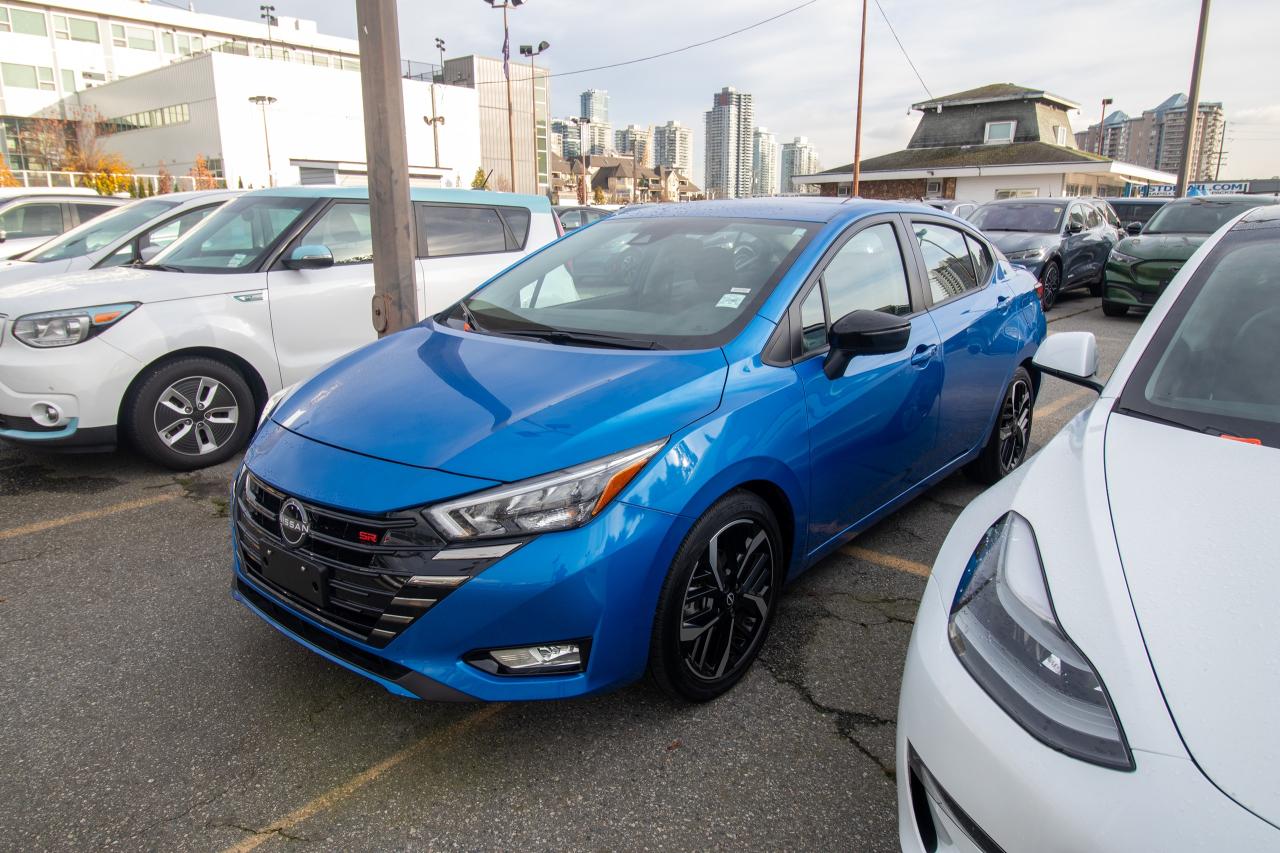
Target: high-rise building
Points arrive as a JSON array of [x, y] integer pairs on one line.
[[764, 162], [595, 105], [1154, 139], [597, 138], [635, 138], [528, 122], [798, 157], [728, 153], [1206, 140], [1115, 137], [673, 147], [570, 137]]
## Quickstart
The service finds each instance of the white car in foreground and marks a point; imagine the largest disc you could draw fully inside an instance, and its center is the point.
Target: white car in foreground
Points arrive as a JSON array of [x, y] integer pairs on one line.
[[1094, 662], [179, 355]]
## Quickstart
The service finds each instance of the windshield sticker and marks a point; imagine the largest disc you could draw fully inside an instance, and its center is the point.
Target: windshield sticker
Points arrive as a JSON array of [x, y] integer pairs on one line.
[[739, 290], [235, 260], [730, 300]]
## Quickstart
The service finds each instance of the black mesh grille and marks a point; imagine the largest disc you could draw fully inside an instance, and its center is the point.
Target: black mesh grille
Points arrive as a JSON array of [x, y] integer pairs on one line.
[[368, 562]]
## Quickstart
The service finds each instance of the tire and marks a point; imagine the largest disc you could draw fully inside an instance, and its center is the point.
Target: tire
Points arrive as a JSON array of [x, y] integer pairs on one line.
[[1051, 281], [1096, 288], [190, 413], [698, 598], [1114, 309], [1010, 437]]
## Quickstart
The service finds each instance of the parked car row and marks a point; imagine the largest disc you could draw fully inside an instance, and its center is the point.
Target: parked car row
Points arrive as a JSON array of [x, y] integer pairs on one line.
[[30, 216]]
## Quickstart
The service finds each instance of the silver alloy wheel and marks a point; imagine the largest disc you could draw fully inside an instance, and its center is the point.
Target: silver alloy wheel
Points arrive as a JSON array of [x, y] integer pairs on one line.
[[1015, 425], [727, 600], [196, 415]]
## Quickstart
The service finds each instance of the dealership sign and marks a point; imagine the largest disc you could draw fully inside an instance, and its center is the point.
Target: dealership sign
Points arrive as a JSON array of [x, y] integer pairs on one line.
[[1209, 188]]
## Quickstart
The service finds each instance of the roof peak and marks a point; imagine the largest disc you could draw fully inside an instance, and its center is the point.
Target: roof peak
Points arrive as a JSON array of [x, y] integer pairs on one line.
[[993, 92]]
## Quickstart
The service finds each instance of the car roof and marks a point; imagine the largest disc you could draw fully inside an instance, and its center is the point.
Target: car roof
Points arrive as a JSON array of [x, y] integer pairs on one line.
[[1137, 199], [7, 193], [1267, 215], [1058, 199], [454, 196], [815, 209], [1256, 199]]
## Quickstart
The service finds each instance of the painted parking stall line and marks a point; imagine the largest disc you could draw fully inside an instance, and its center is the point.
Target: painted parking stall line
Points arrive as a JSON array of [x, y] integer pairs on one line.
[[87, 515], [887, 561]]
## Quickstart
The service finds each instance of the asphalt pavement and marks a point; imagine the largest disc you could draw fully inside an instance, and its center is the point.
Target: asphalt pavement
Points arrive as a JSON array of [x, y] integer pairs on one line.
[[142, 709]]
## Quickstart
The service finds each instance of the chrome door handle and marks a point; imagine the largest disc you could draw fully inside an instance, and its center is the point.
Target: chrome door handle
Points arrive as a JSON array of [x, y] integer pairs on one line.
[[924, 354]]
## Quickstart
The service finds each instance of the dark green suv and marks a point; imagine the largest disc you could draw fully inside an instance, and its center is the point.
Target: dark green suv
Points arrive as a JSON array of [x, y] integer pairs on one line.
[[1139, 267]]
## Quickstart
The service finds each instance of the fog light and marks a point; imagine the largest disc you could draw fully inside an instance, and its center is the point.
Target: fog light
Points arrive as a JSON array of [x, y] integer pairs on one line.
[[556, 656], [45, 413]]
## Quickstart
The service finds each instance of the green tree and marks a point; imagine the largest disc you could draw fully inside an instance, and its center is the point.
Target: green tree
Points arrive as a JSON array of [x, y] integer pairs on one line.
[[478, 182]]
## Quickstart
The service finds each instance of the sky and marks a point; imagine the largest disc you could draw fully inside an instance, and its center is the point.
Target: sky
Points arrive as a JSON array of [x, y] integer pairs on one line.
[[802, 68]]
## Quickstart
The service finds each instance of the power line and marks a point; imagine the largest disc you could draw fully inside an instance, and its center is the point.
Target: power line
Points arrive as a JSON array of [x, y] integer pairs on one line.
[[903, 48]]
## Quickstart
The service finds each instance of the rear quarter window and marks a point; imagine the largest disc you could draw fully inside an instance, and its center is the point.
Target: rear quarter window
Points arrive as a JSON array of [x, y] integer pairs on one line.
[[447, 230]]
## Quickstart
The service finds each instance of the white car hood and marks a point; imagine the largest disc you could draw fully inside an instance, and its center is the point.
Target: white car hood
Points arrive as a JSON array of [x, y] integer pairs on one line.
[[1196, 518], [12, 272], [118, 284]]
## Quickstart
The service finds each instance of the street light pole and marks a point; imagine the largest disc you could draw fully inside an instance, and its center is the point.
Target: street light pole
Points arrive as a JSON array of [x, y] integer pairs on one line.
[[528, 50], [263, 101], [582, 157], [440, 47], [857, 132], [1193, 104], [268, 14], [1102, 122], [506, 72]]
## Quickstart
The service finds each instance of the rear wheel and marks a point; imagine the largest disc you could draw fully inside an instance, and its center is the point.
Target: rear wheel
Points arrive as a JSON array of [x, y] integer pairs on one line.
[[717, 603], [1010, 438], [190, 413], [1050, 285], [1114, 309]]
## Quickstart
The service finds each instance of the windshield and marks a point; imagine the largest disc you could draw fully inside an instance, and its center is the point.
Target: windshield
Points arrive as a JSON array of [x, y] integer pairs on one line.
[[1025, 216], [1134, 211], [236, 237], [99, 231], [670, 282], [1211, 365], [1198, 215]]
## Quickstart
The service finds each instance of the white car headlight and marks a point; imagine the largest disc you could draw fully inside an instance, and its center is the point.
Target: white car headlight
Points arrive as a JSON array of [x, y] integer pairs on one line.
[[274, 401], [1005, 633], [557, 501], [64, 328], [1027, 254]]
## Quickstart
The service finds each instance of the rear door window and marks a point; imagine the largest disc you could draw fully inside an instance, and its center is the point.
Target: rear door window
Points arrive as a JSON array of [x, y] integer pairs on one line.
[[517, 219], [37, 219], [947, 259], [982, 262], [446, 230]]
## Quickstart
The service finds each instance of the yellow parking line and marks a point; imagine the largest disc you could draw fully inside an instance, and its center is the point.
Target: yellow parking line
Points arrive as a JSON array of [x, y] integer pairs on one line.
[[887, 561], [87, 515], [1062, 402], [333, 796]]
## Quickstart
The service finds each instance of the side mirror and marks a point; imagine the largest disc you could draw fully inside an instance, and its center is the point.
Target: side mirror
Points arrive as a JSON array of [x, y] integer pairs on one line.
[[311, 256], [864, 332], [1133, 229], [146, 253], [4, 235], [1072, 356], [1074, 227]]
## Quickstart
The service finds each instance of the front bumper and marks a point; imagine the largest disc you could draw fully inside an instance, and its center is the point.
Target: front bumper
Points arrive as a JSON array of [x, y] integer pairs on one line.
[[597, 584], [1138, 285], [84, 383], [976, 780]]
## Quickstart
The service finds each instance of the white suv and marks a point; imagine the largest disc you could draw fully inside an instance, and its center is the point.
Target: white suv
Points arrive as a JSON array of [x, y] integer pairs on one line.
[[181, 353]]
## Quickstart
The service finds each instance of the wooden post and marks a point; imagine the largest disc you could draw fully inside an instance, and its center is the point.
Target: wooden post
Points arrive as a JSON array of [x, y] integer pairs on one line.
[[390, 214], [1193, 106], [857, 133]]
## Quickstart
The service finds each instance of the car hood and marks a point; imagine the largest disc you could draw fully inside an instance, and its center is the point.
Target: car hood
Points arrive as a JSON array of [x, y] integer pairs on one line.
[[1162, 247], [498, 408], [13, 272], [1018, 241], [1199, 558], [108, 286]]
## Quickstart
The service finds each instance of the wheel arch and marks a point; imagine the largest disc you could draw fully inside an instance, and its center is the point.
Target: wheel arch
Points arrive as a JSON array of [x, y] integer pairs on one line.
[[257, 384]]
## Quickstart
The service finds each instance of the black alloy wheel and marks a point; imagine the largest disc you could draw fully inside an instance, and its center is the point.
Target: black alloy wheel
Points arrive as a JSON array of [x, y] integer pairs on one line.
[[717, 604], [1051, 284], [1010, 437]]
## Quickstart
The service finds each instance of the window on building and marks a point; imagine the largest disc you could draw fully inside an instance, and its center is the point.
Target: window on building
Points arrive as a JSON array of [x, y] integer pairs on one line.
[[867, 273], [5, 25], [68, 80], [947, 258], [1059, 134], [350, 64], [166, 41], [141, 39], [27, 22], [117, 36], [933, 189], [843, 189], [197, 44], [27, 76], [999, 131], [1018, 193]]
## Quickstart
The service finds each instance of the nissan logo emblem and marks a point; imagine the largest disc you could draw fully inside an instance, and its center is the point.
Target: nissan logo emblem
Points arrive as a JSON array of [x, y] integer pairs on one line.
[[294, 524]]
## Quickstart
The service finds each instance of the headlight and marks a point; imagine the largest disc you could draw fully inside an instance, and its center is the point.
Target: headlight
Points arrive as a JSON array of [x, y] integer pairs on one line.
[[558, 501], [64, 328], [1121, 258], [1027, 254], [274, 401], [1004, 631]]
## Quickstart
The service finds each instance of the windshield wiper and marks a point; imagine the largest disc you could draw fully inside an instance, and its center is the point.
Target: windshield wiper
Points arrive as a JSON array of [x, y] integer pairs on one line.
[[470, 318], [564, 336], [161, 267]]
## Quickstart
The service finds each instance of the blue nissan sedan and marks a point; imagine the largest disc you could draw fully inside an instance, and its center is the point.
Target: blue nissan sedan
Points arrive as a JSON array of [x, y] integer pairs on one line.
[[611, 457]]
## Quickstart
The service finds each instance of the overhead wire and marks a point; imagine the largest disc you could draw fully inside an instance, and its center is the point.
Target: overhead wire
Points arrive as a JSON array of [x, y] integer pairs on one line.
[[903, 48]]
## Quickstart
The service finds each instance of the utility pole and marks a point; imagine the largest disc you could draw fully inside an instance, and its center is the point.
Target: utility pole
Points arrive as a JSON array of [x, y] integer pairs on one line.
[[857, 133], [264, 101], [1223, 144], [583, 138], [1102, 122], [435, 120], [506, 72], [390, 216], [1193, 105]]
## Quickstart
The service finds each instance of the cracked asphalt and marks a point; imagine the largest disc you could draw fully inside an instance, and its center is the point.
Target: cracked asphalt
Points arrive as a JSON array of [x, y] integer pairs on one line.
[[142, 709]]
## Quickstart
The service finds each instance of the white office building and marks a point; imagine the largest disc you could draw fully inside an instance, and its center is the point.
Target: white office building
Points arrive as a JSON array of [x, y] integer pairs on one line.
[[798, 157], [313, 130], [673, 147], [728, 155], [51, 50], [764, 162]]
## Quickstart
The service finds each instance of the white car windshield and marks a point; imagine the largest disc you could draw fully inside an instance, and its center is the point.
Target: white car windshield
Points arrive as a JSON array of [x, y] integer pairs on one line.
[[99, 232], [662, 281], [236, 237]]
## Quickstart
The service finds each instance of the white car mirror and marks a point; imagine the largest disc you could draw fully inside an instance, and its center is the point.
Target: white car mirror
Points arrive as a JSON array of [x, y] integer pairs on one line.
[[1072, 356]]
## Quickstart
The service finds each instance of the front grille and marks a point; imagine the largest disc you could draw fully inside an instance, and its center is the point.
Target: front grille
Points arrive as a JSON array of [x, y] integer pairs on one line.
[[1155, 274], [369, 562]]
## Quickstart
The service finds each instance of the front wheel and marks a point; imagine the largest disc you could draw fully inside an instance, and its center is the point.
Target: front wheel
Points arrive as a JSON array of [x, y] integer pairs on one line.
[[1010, 438], [190, 413], [718, 600], [1050, 284], [1114, 309]]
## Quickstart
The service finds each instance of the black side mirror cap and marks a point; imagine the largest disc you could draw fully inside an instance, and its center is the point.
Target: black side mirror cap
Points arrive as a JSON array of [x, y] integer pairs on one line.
[[1074, 227], [1133, 229], [864, 332]]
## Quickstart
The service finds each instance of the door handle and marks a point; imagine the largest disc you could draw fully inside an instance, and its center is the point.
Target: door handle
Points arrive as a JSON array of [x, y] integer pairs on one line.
[[923, 354], [1001, 299]]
